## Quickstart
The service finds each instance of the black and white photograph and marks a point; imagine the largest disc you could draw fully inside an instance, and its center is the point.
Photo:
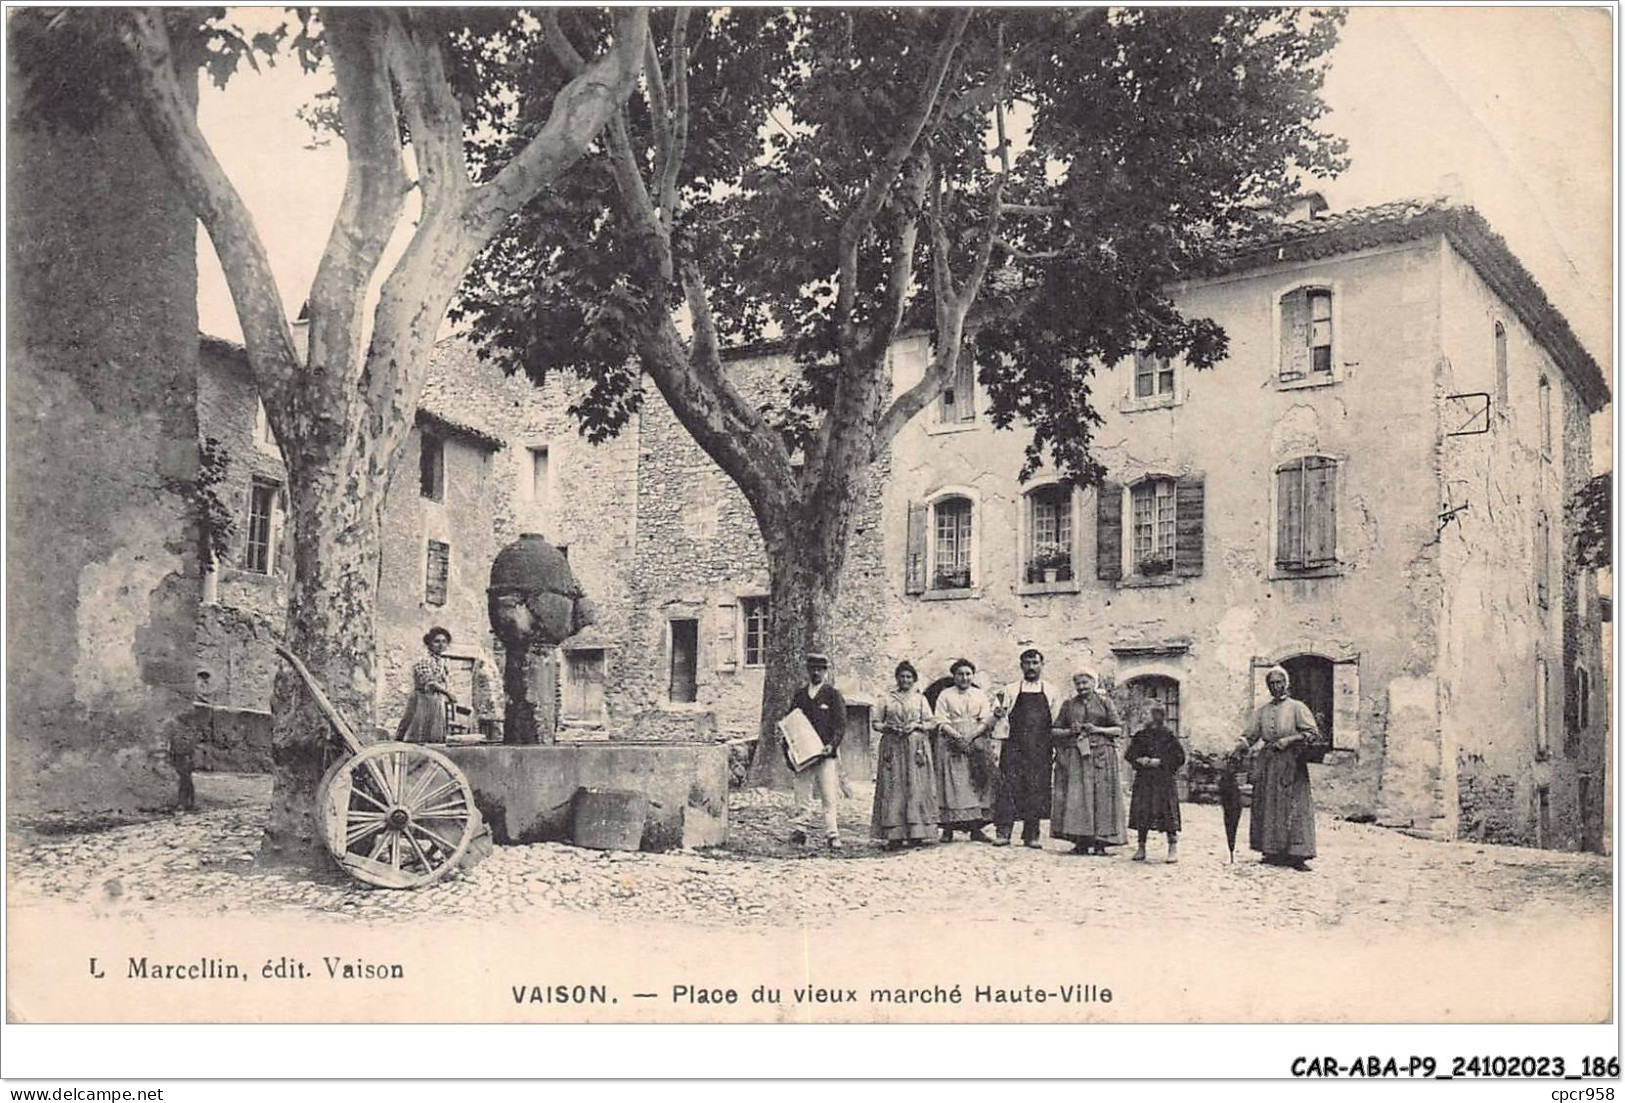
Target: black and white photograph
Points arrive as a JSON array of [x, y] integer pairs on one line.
[[814, 515]]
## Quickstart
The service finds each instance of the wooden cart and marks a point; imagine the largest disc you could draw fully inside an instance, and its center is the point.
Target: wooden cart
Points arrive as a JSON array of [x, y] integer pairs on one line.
[[395, 815]]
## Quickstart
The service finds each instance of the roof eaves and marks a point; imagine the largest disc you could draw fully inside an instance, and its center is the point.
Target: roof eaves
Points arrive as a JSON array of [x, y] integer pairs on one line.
[[450, 427]]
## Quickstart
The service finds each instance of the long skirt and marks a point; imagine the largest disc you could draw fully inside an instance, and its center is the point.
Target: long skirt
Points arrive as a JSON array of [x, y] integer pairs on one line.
[[962, 803], [905, 789], [1088, 801], [1024, 789], [424, 721], [1154, 806], [1283, 817]]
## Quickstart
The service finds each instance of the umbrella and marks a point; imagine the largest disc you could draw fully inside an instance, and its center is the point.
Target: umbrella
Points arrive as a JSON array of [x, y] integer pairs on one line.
[[1230, 801]]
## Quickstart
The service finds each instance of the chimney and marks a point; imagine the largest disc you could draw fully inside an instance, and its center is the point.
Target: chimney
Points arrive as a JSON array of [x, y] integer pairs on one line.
[[1306, 207], [1453, 189], [301, 332]]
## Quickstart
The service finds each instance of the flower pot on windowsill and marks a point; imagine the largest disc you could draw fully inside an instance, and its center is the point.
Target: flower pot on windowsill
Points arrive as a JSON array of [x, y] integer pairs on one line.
[[1155, 567], [953, 580]]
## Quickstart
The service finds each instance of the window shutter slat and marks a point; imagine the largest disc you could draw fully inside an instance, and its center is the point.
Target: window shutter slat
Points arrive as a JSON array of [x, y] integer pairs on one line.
[[914, 576], [1294, 334], [1288, 515], [1189, 506], [1321, 511], [1109, 531], [727, 614]]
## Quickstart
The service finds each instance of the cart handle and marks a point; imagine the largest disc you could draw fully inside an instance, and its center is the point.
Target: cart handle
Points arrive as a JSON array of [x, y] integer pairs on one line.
[[338, 722]]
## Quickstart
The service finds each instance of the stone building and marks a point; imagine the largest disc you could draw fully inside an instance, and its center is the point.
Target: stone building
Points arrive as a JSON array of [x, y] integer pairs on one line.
[[479, 468], [102, 452], [1369, 490]]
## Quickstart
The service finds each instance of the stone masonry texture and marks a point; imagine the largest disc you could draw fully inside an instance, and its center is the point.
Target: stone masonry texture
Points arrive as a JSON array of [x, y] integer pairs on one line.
[[102, 444]]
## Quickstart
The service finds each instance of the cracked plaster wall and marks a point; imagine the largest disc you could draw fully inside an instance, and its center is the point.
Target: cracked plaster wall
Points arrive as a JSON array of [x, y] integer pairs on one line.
[[1494, 628], [1231, 425], [102, 433]]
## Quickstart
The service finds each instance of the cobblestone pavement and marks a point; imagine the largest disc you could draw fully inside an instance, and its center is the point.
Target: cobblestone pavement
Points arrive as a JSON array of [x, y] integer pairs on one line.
[[1366, 878]]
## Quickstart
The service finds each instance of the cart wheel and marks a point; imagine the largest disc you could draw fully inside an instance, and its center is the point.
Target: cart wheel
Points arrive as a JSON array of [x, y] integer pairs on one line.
[[397, 815]]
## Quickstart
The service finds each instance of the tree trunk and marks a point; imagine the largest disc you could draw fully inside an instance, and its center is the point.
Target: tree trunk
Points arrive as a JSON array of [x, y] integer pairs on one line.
[[331, 626], [804, 578]]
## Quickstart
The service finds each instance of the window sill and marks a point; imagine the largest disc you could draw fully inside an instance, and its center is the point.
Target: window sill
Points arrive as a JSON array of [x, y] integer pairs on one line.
[[1308, 382], [1149, 581], [941, 427], [1279, 573], [1070, 586], [952, 595], [1133, 405]]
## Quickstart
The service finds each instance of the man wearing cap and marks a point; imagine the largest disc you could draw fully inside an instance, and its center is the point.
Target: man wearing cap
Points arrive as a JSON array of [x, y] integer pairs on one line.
[[1033, 706], [823, 705]]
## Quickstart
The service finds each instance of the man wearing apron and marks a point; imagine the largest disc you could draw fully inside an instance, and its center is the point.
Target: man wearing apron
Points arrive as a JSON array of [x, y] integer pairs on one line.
[[1032, 705]]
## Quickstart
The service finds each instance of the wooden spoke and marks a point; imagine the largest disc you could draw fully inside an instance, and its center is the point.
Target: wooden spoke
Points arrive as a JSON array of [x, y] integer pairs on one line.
[[359, 793]]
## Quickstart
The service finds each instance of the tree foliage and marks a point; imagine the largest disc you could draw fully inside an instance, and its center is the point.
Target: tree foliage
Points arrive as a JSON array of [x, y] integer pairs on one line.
[[1139, 142], [1592, 514]]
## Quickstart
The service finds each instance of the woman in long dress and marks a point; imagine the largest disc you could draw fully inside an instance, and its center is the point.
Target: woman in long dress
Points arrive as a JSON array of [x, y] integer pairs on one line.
[[1086, 806], [425, 718], [905, 811], [962, 746], [1281, 734], [1156, 756]]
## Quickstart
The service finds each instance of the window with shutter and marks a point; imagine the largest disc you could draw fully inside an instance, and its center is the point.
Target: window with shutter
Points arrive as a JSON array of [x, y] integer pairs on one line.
[[914, 570], [958, 404], [436, 572], [1501, 367], [1109, 531], [1049, 534], [1306, 513], [951, 548], [727, 650], [1543, 560], [754, 614], [1152, 501], [264, 529], [1294, 334]]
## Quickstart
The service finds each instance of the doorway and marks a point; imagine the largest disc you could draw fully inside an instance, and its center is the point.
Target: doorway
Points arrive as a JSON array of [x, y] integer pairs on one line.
[[685, 654], [1311, 678]]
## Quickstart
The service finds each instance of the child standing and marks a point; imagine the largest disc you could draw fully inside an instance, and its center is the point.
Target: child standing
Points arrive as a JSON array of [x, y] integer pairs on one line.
[[1155, 754]]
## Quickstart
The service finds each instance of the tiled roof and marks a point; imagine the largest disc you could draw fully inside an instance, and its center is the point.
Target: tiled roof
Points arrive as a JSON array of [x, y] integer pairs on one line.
[[434, 409], [1465, 229]]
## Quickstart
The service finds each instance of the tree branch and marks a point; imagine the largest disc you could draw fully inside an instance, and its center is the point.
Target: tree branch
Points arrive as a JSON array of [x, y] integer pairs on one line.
[[580, 111], [432, 112], [170, 120], [677, 144], [857, 223], [374, 188]]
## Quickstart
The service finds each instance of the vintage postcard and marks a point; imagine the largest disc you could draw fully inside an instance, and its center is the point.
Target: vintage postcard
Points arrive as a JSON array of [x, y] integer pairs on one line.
[[811, 515]]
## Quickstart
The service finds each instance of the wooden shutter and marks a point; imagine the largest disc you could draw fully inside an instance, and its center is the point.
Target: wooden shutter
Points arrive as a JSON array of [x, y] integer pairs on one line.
[[1109, 531], [1320, 511], [436, 572], [914, 578], [1289, 516], [727, 616], [1189, 503], [1294, 334], [965, 389]]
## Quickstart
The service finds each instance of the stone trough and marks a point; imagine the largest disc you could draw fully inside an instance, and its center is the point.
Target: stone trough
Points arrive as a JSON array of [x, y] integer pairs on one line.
[[527, 793]]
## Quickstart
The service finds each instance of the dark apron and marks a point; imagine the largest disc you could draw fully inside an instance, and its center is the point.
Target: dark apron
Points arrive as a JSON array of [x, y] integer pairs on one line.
[[1025, 763]]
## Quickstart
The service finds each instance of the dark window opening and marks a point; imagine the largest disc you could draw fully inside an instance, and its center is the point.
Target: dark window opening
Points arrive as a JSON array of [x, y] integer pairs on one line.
[[1312, 683], [685, 654], [432, 467]]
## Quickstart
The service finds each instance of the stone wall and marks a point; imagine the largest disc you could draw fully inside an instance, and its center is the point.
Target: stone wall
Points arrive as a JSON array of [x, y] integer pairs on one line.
[[101, 444]]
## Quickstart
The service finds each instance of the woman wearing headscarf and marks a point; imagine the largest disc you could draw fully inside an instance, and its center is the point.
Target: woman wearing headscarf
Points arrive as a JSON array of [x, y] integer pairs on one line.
[[1281, 734], [1086, 806], [425, 718], [905, 811]]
